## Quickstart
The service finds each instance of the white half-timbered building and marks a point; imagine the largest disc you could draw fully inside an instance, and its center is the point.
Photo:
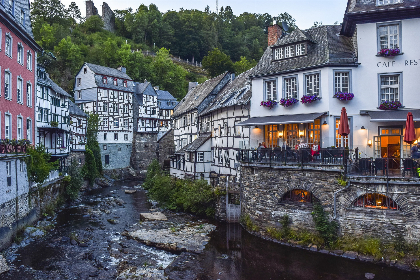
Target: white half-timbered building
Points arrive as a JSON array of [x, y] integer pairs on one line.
[[52, 117], [108, 92], [146, 106], [166, 104]]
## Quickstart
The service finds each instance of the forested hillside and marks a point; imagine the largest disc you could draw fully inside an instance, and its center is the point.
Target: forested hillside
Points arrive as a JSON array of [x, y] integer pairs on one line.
[[222, 41]]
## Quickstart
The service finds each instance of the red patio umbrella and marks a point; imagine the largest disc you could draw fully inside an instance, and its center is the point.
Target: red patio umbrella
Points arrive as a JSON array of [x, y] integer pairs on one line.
[[410, 133], [343, 128]]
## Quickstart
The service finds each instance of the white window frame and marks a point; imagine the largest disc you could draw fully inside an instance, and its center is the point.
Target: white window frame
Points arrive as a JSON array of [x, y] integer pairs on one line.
[[200, 156], [300, 49], [343, 139], [19, 89], [125, 123], [29, 94], [339, 76], [312, 83], [19, 127], [8, 94], [29, 60], [7, 126], [8, 48], [290, 87], [387, 2], [278, 53], [29, 129], [126, 137], [8, 168], [383, 89], [270, 89], [20, 53], [389, 45], [289, 51]]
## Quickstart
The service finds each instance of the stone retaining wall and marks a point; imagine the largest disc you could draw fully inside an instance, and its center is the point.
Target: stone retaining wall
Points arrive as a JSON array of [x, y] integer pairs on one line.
[[25, 209], [262, 189]]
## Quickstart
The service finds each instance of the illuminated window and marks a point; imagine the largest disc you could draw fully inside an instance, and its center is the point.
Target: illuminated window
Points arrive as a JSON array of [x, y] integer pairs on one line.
[[298, 196], [376, 200]]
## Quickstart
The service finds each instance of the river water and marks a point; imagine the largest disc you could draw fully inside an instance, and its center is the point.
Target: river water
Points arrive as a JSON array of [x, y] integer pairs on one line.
[[101, 252]]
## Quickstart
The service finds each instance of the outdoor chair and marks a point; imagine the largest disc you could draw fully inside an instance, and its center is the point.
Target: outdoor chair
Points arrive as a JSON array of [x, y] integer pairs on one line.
[[409, 165]]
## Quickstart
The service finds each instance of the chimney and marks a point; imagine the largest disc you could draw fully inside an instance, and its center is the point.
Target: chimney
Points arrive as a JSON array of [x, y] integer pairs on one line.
[[274, 33], [122, 69]]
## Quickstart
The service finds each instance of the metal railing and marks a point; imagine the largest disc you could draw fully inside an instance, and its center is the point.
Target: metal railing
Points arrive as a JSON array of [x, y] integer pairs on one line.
[[342, 159], [301, 157]]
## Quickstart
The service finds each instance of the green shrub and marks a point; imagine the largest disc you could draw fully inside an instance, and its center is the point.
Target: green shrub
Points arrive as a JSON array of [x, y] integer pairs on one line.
[[326, 228], [73, 181], [195, 196], [89, 170], [248, 223]]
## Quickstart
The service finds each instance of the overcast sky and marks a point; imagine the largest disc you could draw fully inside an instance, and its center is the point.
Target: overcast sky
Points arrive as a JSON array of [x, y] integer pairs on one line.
[[306, 12]]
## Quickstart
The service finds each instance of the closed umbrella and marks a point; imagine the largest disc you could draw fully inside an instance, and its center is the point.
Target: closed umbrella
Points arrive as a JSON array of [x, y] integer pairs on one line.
[[343, 128], [410, 133]]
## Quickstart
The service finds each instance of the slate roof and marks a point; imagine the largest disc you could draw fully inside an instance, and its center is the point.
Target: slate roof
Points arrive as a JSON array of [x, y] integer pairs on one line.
[[165, 100], [366, 6], [365, 11], [294, 37], [197, 143], [19, 5], [108, 71], [328, 49], [50, 83], [144, 88], [237, 92], [110, 84], [197, 95], [74, 110]]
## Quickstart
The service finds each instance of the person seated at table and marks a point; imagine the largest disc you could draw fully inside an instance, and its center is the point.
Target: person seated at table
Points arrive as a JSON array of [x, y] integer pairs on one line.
[[415, 151], [315, 150]]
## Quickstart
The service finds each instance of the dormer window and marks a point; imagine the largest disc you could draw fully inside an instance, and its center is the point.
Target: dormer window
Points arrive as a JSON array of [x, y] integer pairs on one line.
[[125, 83], [115, 82], [289, 51], [104, 79], [388, 2], [85, 70]]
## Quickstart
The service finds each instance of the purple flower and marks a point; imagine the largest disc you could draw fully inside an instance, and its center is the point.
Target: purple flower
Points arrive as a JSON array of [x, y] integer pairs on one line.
[[389, 52], [288, 102], [269, 104], [344, 95], [309, 99], [390, 105]]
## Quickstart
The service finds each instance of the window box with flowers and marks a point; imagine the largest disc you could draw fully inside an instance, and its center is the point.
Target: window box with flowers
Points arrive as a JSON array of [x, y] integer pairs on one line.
[[269, 103], [287, 102], [306, 99], [389, 52], [390, 105], [344, 96]]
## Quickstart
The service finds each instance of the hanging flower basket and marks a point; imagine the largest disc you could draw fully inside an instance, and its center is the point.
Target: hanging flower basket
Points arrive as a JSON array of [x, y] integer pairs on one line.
[[286, 102], [306, 99], [389, 52], [344, 96], [269, 103], [390, 105]]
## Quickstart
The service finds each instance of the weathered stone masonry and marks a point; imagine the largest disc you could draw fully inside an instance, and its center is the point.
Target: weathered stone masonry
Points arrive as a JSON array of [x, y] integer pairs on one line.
[[262, 190]]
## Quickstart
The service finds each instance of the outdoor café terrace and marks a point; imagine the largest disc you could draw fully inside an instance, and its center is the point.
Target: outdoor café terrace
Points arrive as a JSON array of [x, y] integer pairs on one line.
[[345, 160]]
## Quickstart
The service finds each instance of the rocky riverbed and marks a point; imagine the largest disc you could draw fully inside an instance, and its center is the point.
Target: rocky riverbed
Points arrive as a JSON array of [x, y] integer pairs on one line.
[[102, 237]]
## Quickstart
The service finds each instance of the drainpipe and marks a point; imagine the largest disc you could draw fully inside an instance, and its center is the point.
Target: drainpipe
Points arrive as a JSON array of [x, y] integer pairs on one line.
[[335, 199]]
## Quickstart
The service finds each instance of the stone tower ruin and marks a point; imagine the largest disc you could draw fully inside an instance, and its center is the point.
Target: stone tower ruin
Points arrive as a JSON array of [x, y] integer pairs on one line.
[[108, 15]]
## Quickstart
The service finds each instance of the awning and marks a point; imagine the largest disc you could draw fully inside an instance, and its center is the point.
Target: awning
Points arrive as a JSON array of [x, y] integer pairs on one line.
[[283, 119], [393, 115]]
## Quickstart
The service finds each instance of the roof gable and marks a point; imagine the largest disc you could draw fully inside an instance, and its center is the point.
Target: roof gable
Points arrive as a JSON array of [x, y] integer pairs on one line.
[[107, 71]]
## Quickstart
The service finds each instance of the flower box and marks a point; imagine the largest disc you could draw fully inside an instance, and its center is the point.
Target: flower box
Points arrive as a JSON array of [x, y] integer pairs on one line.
[[306, 99], [389, 52], [286, 102], [269, 103], [390, 105], [344, 96]]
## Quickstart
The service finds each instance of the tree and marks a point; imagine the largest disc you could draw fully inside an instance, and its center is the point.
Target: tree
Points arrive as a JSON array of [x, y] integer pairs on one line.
[[73, 12], [89, 169], [92, 139], [93, 24], [167, 75], [39, 164], [73, 181], [217, 62], [243, 65]]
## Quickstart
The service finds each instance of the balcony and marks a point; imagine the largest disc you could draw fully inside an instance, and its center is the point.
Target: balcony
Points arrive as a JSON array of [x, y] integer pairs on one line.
[[332, 159]]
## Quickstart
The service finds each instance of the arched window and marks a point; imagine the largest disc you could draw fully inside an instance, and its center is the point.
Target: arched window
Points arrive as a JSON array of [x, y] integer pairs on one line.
[[376, 200], [298, 196]]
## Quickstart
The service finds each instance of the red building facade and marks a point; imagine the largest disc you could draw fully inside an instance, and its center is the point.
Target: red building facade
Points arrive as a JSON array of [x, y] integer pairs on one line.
[[17, 71]]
